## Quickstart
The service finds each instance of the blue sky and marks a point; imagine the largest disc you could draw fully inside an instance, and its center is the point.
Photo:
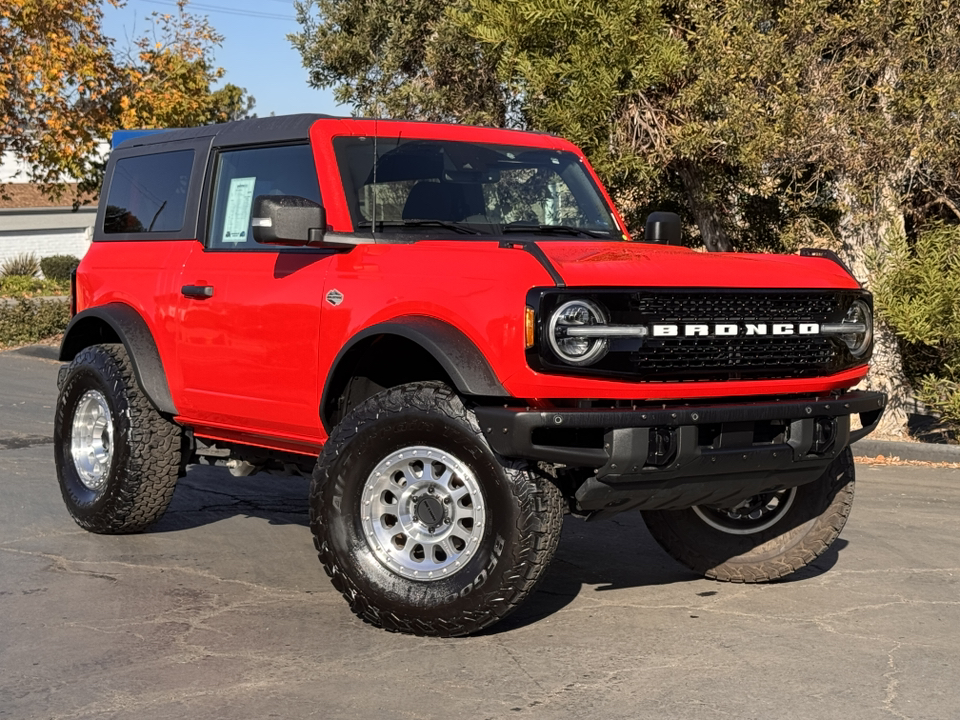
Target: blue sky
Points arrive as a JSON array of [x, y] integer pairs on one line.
[[255, 52]]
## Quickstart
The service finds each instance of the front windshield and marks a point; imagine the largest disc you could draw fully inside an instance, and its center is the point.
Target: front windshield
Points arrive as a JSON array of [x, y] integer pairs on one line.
[[464, 188]]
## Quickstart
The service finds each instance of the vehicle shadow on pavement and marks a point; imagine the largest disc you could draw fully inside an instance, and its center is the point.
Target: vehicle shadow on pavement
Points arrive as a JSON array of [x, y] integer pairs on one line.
[[593, 557], [620, 554], [209, 494]]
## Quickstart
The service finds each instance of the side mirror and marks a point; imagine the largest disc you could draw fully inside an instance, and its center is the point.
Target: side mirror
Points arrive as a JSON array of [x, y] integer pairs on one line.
[[663, 228], [288, 220]]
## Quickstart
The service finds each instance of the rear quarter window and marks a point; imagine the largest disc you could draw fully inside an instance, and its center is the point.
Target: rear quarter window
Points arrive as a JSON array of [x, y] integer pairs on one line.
[[148, 193]]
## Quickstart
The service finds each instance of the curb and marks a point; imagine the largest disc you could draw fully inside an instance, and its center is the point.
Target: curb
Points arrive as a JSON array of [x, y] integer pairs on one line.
[[922, 452], [44, 352]]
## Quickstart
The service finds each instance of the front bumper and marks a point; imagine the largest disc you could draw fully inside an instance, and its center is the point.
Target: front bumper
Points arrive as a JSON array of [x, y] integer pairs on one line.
[[674, 457]]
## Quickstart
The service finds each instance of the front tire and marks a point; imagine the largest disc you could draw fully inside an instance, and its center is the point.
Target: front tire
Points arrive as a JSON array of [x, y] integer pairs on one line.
[[420, 526], [117, 457], [763, 538]]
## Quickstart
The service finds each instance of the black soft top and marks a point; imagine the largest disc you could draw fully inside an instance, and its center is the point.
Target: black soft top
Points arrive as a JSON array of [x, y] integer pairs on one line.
[[282, 128]]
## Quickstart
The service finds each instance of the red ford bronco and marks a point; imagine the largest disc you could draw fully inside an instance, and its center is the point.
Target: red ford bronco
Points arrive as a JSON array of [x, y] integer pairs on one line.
[[451, 327]]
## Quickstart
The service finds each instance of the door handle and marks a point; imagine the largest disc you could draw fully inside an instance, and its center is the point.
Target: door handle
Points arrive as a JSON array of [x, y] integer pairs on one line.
[[197, 291]]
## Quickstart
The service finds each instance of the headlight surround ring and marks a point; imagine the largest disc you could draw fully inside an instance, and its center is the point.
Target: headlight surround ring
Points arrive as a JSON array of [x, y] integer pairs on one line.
[[857, 343], [577, 351]]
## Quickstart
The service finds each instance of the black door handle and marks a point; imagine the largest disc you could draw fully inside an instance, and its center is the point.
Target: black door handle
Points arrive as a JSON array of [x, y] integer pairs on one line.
[[197, 291]]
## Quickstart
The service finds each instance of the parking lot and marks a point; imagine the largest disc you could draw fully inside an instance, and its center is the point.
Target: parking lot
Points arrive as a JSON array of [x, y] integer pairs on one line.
[[223, 611]]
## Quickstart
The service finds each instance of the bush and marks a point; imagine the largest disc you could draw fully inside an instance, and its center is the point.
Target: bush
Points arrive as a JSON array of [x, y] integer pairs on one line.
[[59, 267], [916, 291], [20, 286], [29, 319], [25, 264]]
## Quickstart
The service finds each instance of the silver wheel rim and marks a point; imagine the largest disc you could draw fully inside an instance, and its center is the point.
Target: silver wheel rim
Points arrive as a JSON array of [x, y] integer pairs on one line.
[[91, 440], [423, 513], [753, 515]]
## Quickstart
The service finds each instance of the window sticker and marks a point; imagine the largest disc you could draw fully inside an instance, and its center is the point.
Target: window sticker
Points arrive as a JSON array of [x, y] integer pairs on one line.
[[236, 221]]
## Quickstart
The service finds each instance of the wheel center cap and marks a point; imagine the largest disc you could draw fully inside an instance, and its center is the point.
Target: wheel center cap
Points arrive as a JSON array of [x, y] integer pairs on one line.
[[429, 511]]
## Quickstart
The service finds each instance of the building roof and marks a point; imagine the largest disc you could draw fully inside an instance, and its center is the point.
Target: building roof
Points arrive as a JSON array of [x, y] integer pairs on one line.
[[30, 195]]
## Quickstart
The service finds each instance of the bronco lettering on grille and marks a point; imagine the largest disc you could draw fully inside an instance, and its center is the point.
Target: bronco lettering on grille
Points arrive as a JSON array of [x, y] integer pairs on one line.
[[732, 329]]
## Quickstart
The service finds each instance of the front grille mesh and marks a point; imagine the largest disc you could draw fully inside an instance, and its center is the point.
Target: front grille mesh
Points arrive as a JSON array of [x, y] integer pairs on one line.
[[722, 307]]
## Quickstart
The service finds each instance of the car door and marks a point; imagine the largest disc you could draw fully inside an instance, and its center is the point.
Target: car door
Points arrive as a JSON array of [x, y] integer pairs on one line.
[[249, 318]]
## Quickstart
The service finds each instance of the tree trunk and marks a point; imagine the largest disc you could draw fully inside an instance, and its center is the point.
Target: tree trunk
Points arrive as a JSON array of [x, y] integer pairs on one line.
[[704, 209], [865, 229]]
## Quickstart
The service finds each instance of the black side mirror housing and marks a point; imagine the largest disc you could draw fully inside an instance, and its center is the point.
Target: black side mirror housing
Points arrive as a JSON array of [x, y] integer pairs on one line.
[[288, 220], [663, 228]]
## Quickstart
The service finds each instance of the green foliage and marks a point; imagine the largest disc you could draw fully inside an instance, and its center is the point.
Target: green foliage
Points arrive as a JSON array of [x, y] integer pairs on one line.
[[59, 267], [23, 286], [25, 265], [406, 60], [28, 320], [591, 72], [916, 289]]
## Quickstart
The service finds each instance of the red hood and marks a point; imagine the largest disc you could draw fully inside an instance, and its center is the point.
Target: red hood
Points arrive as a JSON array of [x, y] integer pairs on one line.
[[624, 264]]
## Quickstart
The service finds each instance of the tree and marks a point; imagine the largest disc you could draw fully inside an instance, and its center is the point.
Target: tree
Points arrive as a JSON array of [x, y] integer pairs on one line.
[[64, 89], [58, 83], [408, 59], [168, 78]]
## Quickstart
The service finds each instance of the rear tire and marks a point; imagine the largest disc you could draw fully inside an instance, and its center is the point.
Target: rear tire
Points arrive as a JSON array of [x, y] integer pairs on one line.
[[420, 526], [117, 457], [765, 538]]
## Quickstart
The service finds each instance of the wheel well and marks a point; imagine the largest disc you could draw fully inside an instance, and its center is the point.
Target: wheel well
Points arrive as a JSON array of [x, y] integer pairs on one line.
[[88, 331], [374, 364]]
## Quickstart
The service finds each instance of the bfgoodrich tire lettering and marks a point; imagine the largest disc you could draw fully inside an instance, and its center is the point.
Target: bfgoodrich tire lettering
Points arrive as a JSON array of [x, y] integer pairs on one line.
[[140, 450], [808, 520], [522, 515]]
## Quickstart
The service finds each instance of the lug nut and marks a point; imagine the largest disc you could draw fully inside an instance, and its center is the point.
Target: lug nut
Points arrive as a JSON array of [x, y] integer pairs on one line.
[[430, 490]]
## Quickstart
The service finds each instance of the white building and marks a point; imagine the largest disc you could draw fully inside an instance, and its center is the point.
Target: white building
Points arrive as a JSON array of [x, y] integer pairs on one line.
[[31, 223]]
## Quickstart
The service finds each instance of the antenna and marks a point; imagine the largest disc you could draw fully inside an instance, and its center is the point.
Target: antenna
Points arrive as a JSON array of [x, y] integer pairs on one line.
[[376, 159]]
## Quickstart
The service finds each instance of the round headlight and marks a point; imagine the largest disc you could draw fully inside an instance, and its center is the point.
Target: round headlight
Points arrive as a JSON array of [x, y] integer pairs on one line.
[[859, 342], [565, 340]]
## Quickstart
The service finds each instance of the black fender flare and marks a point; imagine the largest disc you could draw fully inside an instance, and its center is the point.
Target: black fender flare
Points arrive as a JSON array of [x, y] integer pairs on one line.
[[86, 328], [462, 361]]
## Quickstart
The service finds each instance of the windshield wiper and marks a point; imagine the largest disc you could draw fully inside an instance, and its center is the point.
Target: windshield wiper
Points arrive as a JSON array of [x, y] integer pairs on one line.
[[458, 227], [556, 229]]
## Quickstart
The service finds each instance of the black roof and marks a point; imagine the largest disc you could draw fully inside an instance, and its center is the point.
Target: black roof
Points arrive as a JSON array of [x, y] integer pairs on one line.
[[240, 132], [278, 128]]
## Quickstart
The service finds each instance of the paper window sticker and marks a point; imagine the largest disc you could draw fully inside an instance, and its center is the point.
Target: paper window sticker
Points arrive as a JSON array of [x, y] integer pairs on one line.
[[236, 219]]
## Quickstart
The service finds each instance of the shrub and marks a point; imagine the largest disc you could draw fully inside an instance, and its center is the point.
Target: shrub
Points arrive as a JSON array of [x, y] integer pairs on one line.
[[29, 319], [916, 291], [59, 267], [21, 286], [25, 264]]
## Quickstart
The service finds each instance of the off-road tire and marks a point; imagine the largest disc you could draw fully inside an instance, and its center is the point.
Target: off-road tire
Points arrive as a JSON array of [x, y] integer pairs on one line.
[[146, 453], [524, 511], [805, 531]]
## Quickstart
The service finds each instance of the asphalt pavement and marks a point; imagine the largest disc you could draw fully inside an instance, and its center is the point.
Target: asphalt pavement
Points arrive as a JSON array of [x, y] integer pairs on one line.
[[223, 611]]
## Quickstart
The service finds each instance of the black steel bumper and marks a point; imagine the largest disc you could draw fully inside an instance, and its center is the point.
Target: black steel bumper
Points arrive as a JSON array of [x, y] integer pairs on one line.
[[678, 456]]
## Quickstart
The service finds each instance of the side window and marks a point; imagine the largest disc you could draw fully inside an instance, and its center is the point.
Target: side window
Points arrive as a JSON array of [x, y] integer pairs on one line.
[[242, 175], [148, 193]]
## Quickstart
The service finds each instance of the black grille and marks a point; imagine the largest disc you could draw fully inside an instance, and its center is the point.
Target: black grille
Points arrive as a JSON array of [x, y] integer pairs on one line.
[[772, 357], [712, 358], [721, 306]]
